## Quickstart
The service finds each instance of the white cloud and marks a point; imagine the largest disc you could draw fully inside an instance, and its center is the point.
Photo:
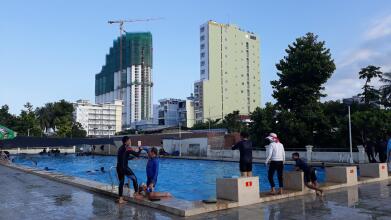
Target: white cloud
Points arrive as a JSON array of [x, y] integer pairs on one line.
[[375, 49], [381, 28], [356, 56]]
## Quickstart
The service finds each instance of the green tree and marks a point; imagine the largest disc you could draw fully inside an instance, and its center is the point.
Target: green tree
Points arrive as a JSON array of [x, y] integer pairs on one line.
[[263, 122], [27, 122], [7, 119], [210, 123], [233, 122], [369, 92], [385, 89], [302, 73], [374, 124]]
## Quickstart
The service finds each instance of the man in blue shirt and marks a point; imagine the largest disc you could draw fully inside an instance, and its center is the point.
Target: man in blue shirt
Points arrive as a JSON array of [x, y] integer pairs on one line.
[[310, 178], [152, 169]]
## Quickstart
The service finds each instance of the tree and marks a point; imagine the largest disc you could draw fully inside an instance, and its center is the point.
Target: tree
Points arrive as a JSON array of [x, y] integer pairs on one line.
[[374, 124], [368, 73], [7, 119], [210, 123], [233, 122], [385, 89], [27, 122], [263, 122], [302, 73]]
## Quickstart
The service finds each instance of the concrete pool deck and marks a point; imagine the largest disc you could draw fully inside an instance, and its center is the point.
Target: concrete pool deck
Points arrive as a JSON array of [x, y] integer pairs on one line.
[[28, 196], [174, 206]]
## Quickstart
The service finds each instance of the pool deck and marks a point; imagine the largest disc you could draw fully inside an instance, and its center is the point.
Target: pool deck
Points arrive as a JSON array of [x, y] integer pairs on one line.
[[174, 206]]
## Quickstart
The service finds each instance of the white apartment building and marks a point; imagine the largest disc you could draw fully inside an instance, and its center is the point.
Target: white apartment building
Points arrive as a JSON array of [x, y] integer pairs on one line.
[[99, 119]]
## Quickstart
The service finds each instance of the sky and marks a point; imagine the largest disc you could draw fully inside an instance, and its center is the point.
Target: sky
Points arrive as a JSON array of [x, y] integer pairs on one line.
[[51, 50]]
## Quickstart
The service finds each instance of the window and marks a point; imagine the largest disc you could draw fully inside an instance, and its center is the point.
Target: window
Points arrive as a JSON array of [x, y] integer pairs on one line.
[[202, 46], [202, 38], [202, 55], [202, 72], [202, 29], [202, 63], [253, 37]]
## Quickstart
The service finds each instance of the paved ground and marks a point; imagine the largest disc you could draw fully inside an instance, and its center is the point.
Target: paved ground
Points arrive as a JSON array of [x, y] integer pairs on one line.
[[26, 196]]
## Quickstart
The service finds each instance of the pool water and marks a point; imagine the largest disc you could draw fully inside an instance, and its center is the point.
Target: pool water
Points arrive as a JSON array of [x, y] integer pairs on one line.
[[185, 179]]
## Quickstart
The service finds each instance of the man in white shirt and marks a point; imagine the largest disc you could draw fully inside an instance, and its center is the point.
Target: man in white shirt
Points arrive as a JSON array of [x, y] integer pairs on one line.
[[276, 157]]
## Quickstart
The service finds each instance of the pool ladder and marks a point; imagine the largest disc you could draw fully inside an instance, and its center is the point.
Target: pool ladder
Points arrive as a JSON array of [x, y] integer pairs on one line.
[[112, 179]]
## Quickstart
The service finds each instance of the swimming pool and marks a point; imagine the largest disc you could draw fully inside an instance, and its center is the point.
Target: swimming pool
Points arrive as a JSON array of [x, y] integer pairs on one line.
[[185, 179]]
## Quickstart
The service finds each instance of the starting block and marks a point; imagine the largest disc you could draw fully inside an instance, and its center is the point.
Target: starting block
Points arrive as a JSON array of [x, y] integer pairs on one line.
[[244, 190], [347, 175], [374, 170]]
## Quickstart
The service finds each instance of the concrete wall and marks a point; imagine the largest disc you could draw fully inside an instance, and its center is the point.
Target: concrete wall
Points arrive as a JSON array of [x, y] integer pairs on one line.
[[315, 156], [35, 150], [189, 147]]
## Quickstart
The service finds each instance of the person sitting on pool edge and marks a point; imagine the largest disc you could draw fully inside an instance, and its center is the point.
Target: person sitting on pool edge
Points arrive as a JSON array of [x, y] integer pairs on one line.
[[145, 191], [310, 179], [152, 170], [245, 147]]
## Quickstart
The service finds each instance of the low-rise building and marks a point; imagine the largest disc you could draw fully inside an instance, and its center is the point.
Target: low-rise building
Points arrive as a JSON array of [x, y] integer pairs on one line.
[[99, 119], [174, 112]]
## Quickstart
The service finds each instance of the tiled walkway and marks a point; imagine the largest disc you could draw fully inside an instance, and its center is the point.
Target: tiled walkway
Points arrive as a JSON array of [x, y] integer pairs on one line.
[[25, 196]]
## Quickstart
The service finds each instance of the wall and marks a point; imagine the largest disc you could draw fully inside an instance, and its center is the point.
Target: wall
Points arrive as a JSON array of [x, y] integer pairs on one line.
[[189, 147], [316, 156], [35, 150]]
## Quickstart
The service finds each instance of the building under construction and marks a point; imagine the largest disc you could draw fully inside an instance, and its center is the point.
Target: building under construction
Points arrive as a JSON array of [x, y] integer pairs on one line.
[[127, 76]]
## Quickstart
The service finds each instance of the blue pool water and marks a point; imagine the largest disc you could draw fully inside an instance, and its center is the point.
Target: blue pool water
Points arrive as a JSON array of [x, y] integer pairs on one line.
[[185, 179]]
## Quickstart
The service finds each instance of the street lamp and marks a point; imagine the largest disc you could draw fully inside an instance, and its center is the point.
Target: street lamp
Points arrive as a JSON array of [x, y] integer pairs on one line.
[[180, 137], [349, 102], [350, 136]]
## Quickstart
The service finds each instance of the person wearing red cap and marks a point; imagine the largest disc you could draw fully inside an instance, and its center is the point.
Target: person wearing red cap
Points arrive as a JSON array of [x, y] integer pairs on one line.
[[276, 157]]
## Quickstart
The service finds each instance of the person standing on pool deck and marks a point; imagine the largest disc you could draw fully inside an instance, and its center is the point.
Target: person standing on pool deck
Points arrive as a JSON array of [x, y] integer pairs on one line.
[[245, 147], [123, 170], [310, 178], [276, 157]]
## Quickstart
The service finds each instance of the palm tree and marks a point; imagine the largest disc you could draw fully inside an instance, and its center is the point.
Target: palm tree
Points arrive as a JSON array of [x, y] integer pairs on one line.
[[386, 88], [368, 73]]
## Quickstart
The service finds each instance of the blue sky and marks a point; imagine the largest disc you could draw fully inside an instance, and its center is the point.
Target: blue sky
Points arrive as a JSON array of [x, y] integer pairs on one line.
[[51, 50]]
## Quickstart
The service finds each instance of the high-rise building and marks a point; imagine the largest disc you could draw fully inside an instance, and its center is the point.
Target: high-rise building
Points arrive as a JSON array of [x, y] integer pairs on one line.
[[133, 84], [99, 119], [229, 72]]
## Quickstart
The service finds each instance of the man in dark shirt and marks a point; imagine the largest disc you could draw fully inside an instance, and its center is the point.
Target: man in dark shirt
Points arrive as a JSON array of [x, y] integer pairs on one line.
[[310, 179], [245, 147], [123, 155]]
